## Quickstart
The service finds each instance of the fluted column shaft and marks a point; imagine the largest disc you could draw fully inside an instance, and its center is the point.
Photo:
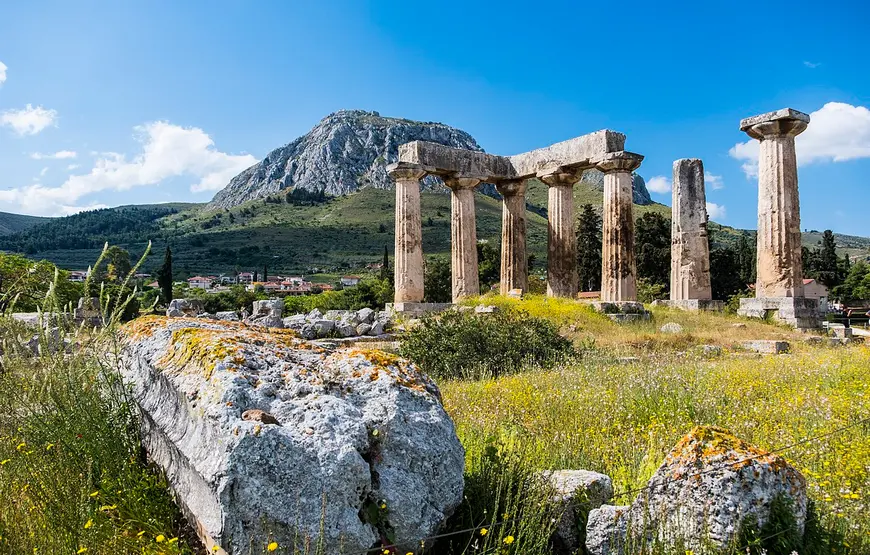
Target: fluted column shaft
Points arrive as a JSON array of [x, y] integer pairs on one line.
[[780, 269], [618, 266], [409, 233], [463, 237], [514, 270], [561, 237], [690, 249]]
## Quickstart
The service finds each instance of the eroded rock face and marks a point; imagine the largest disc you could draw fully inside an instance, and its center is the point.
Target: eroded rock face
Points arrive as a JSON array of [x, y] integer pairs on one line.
[[707, 484], [265, 436], [184, 307]]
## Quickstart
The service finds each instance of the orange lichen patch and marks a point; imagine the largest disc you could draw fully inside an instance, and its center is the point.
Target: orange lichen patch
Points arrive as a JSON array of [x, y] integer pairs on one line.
[[704, 444], [399, 369], [198, 350], [143, 327]]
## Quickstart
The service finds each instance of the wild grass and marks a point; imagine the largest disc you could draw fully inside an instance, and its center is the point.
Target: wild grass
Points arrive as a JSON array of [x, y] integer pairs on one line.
[[621, 417], [73, 478]]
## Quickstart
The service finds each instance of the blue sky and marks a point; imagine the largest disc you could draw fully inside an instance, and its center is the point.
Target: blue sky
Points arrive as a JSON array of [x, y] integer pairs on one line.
[[164, 101]]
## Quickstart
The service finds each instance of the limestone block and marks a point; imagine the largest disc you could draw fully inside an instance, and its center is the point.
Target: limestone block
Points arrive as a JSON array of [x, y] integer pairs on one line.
[[671, 327], [690, 251], [229, 316], [576, 493], [185, 307], [767, 347], [606, 530], [318, 458]]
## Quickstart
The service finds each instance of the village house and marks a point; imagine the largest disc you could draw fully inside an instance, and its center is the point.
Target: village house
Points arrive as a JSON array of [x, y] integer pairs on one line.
[[246, 278], [817, 291], [199, 282], [78, 276]]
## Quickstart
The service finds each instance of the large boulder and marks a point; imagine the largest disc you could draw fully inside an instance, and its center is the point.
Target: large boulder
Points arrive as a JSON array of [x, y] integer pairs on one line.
[[698, 497], [575, 492], [262, 435], [267, 314]]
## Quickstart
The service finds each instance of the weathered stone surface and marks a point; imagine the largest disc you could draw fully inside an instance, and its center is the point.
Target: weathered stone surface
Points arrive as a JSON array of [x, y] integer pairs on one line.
[[408, 259], [692, 305], [690, 250], [514, 271], [446, 160], [618, 267], [606, 530], [366, 315], [579, 153], [463, 237], [671, 327], [184, 307], [267, 313], [576, 493], [800, 312], [354, 429], [561, 235], [766, 346], [707, 484], [787, 114], [229, 316]]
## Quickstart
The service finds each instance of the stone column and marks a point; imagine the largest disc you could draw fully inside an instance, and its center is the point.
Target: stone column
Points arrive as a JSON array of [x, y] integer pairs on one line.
[[409, 232], [561, 236], [463, 236], [618, 267], [514, 271], [779, 235], [690, 251]]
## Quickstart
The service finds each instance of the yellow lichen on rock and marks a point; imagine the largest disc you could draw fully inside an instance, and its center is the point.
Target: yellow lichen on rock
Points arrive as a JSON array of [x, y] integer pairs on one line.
[[705, 444]]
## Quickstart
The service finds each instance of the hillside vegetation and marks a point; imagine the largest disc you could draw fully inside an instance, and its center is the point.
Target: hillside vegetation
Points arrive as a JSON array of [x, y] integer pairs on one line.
[[302, 236]]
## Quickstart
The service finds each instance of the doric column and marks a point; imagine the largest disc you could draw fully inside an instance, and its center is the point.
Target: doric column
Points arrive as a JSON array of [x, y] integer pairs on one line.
[[780, 273], [514, 273], [618, 267], [690, 251], [409, 232], [463, 236], [561, 238]]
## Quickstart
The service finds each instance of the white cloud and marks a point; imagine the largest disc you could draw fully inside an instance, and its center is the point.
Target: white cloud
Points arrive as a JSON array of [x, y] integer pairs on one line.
[[659, 184], [714, 181], [60, 155], [43, 172], [3, 69], [28, 121], [837, 132], [168, 151], [715, 211], [812, 65]]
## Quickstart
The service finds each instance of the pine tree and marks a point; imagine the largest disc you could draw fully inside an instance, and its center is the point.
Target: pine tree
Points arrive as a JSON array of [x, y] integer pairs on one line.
[[746, 260], [164, 277], [829, 272], [588, 249], [265, 273], [652, 247], [385, 265]]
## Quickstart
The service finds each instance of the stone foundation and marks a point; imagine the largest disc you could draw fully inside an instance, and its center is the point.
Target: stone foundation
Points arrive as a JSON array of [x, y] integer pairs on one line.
[[693, 305], [800, 312], [416, 310], [622, 311]]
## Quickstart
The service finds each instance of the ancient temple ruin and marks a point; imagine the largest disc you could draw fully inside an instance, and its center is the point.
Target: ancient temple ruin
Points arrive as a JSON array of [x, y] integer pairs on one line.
[[560, 167], [779, 289]]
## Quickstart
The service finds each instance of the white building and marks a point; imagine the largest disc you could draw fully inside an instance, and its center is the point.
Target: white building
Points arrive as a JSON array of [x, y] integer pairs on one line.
[[246, 278], [350, 281], [199, 282], [815, 290]]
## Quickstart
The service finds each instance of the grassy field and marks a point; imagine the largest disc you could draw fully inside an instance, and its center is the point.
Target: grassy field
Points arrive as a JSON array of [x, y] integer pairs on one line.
[[636, 391]]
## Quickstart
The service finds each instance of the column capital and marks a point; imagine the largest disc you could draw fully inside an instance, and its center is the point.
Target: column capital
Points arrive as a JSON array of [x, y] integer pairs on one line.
[[559, 176], [618, 162], [781, 123], [406, 170], [457, 181], [512, 187]]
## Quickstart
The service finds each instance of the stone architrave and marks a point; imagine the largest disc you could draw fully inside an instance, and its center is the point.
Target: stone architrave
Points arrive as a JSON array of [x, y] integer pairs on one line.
[[561, 237], [463, 236], [779, 288], [690, 250], [618, 266], [409, 232], [514, 270]]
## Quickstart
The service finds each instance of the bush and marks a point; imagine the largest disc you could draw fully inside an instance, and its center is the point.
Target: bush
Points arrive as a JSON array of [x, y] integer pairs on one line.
[[468, 345]]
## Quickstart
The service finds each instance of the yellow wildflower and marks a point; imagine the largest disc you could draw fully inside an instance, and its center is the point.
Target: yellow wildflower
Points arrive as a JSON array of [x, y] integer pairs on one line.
[[160, 538], [483, 531], [88, 524], [82, 550], [509, 540], [272, 546]]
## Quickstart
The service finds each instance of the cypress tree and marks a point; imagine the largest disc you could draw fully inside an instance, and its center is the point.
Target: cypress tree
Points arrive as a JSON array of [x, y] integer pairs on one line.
[[164, 277], [588, 249]]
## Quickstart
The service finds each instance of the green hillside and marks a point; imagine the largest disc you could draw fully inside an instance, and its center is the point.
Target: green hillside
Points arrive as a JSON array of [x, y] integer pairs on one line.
[[13, 223], [337, 236]]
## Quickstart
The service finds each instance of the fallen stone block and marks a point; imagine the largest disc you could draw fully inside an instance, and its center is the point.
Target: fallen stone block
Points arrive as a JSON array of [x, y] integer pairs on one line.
[[185, 308], [576, 492], [227, 316], [766, 347], [261, 436], [708, 483], [671, 327]]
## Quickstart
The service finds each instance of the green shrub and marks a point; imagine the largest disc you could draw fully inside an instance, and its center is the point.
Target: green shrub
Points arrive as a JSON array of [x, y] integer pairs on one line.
[[469, 345]]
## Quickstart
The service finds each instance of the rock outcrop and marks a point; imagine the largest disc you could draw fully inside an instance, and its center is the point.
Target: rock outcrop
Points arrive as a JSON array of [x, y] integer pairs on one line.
[[346, 151], [639, 192], [706, 486], [264, 436]]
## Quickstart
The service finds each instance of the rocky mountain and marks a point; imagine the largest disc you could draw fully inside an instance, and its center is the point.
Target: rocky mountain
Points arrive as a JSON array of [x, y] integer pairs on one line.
[[639, 191], [346, 151], [349, 150]]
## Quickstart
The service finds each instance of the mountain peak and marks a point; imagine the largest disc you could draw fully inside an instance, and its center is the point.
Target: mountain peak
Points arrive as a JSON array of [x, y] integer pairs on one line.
[[347, 150]]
